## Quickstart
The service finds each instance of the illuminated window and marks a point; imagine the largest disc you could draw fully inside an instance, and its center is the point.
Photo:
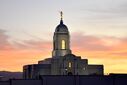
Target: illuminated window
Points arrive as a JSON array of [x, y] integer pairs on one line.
[[84, 68], [63, 44], [70, 65]]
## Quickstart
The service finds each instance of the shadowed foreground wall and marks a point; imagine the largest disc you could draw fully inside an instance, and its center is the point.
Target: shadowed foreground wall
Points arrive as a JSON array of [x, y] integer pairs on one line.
[[71, 80]]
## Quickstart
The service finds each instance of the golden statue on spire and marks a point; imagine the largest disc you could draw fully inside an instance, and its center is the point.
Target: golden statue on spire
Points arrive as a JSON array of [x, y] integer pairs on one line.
[[61, 14]]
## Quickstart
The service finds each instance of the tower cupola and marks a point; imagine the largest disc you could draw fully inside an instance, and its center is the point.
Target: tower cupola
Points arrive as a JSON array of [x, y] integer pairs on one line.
[[61, 40]]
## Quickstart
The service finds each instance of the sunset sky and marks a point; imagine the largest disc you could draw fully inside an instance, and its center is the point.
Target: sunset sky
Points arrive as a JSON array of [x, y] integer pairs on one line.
[[98, 30]]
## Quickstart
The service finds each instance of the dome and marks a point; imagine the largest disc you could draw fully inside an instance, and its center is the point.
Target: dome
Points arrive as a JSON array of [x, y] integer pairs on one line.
[[61, 27]]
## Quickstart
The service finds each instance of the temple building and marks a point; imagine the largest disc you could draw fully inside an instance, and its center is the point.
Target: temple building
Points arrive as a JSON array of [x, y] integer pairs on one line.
[[63, 62]]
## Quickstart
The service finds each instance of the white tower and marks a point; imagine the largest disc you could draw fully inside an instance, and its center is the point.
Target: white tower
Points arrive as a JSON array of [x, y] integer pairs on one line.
[[61, 40]]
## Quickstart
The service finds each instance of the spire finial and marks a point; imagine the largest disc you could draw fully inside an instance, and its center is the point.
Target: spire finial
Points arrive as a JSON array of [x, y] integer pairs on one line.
[[61, 14]]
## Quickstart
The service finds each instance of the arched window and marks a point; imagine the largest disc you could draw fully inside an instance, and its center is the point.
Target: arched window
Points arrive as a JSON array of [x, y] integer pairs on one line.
[[69, 64], [63, 44]]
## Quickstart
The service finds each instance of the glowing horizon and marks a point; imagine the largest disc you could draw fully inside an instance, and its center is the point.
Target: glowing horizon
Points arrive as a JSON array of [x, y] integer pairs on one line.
[[97, 28], [95, 49]]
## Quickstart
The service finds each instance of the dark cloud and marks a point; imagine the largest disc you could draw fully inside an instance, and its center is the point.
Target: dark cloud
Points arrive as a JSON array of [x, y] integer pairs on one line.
[[120, 53], [4, 43], [87, 42], [94, 43], [105, 10], [33, 45], [79, 41]]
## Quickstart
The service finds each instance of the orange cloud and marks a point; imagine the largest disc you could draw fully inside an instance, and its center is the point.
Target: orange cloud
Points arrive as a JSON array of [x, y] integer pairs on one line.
[[110, 51], [14, 55]]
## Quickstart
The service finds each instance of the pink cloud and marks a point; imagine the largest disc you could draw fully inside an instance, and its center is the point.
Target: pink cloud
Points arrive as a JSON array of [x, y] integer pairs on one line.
[[33, 45], [22, 45], [94, 43], [20, 53], [97, 49], [119, 53], [4, 43], [88, 42]]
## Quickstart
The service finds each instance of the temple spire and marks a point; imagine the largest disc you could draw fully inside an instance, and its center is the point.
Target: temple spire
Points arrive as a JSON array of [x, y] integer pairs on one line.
[[61, 15]]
